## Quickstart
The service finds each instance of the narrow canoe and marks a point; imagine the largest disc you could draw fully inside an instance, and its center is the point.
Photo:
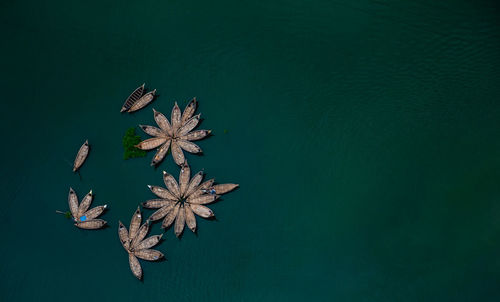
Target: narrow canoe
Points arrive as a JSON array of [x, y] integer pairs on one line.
[[180, 221], [224, 188], [190, 219], [92, 224], [143, 231], [133, 98], [143, 101], [188, 111], [135, 266], [162, 193], [81, 156], [201, 211], [85, 204], [148, 242], [135, 223], [73, 203], [150, 255], [123, 235], [94, 212]]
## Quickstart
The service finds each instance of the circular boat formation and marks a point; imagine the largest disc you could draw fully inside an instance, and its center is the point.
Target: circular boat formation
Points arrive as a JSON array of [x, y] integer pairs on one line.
[[177, 203]]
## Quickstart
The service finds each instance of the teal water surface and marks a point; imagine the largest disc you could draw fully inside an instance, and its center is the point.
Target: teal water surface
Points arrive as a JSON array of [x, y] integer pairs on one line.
[[364, 135]]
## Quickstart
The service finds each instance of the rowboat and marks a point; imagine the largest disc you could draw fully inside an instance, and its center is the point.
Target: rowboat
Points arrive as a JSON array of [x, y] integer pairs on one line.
[[136, 244], [84, 217], [92, 224], [81, 156], [143, 101], [133, 98]]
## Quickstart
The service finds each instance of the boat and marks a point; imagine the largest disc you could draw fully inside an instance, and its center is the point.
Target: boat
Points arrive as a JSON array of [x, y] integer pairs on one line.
[[143, 101], [136, 246], [84, 217], [136, 95], [81, 156], [92, 224]]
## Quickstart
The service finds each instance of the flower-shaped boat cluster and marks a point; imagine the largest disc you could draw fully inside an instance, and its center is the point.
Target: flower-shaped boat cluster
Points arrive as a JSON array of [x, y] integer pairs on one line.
[[136, 246], [180, 201], [177, 136], [83, 217]]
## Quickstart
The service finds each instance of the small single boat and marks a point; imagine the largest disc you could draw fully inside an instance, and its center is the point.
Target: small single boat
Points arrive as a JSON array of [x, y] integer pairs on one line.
[[150, 255], [143, 101], [92, 224], [81, 156], [130, 101], [135, 266]]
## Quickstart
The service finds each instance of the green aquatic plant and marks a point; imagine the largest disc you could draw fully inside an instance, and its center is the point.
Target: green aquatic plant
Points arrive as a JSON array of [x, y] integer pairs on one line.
[[226, 131], [66, 214], [129, 141]]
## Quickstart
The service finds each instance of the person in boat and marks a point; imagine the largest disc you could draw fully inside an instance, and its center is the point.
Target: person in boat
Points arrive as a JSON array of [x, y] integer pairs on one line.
[[210, 191]]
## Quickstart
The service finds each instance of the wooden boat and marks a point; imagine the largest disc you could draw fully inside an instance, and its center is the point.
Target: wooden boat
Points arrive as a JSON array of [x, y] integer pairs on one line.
[[135, 266], [175, 118], [162, 122], [83, 217], [190, 219], [196, 135], [136, 246], [123, 235], [180, 221], [177, 153], [81, 156], [184, 176], [203, 199], [180, 201], [222, 188], [85, 204], [193, 184], [175, 135], [135, 223], [143, 101], [156, 203], [162, 193], [148, 242], [73, 202], [136, 95], [161, 212], [94, 212], [92, 224], [189, 146], [160, 154], [189, 125], [189, 111], [201, 210], [147, 254], [170, 217], [151, 143], [143, 231], [151, 130]]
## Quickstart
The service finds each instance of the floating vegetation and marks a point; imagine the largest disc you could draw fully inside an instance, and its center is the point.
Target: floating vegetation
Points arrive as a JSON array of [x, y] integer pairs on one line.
[[136, 246], [83, 217], [129, 141], [181, 201], [66, 214], [176, 136]]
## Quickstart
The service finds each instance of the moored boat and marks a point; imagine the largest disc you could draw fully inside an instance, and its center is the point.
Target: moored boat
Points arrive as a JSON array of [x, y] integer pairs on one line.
[[143, 101], [133, 97], [81, 156]]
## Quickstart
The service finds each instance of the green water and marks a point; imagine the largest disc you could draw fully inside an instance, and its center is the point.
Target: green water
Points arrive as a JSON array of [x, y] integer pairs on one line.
[[364, 135]]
